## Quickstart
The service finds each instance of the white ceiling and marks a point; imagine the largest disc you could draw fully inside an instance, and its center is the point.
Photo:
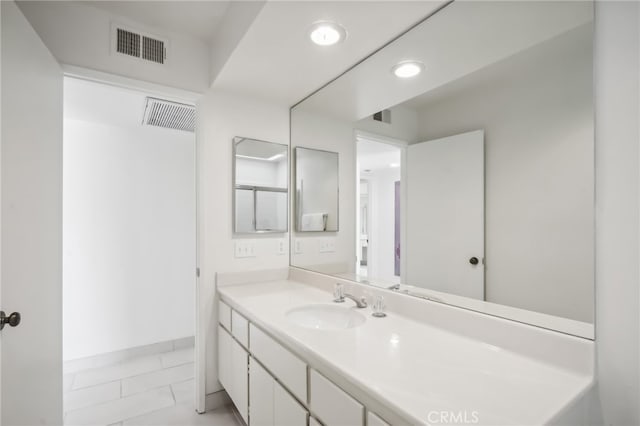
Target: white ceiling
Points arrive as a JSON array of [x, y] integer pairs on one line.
[[561, 51], [108, 105], [462, 38], [376, 156], [199, 19], [275, 60]]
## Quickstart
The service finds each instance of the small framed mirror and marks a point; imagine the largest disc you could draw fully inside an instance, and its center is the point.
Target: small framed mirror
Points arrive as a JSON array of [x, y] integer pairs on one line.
[[316, 190], [260, 186]]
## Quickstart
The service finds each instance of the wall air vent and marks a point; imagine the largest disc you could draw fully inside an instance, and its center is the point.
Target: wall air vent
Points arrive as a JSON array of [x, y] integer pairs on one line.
[[383, 116], [171, 115], [137, 44], [128, 43], [153, 50]]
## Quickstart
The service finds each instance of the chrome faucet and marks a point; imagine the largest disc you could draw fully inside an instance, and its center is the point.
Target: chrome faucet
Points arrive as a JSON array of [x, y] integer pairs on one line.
[[339, 296], [360, 303]]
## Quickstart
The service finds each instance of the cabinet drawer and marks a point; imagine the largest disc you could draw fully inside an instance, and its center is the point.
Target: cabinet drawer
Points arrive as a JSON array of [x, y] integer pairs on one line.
[[286, 367], [224, 315], [332, 405], [374, 420], [240, 328], [286, 410]]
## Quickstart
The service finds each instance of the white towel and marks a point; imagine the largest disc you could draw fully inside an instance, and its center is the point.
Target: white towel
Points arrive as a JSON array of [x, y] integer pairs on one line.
[[313, 222]]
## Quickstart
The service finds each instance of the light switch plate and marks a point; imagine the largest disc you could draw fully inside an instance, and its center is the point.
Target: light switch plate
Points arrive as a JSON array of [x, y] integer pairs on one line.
[[282, 246], [245, 248], [327, 245]]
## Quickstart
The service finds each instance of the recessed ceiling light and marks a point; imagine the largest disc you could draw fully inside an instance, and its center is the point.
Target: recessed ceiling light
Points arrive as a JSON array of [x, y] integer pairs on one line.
[[325, 33], [407, 69], [394, 165]]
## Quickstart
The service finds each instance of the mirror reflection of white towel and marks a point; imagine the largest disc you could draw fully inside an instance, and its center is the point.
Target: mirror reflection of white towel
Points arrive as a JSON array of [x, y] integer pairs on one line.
[[314, 222]]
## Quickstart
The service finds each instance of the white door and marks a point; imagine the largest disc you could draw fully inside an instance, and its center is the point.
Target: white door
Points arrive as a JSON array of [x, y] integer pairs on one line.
[[445, 214], [31, 225]]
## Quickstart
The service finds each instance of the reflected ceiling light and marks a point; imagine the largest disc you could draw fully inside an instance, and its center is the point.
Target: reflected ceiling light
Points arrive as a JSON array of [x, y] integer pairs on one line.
[[325, 33], [276, 157], [407, 69], [394, 165], [251, 157]]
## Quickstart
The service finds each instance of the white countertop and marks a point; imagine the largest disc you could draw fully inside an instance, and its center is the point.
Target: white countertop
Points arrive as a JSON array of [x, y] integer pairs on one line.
[[411, 367]]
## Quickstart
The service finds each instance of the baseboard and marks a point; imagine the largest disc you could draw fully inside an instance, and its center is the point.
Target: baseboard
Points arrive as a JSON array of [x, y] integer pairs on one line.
[[110, 358], [216, 400]]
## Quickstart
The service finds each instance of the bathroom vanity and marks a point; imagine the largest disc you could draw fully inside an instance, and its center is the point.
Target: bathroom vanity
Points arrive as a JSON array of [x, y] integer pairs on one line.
[[289, 356], [461, 193]]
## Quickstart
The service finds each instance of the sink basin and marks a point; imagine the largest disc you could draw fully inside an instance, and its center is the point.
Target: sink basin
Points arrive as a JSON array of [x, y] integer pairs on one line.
[[325, 317]]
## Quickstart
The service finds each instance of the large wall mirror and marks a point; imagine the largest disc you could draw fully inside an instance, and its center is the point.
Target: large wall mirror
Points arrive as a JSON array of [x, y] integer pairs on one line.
[[466, 169], [260, 186]]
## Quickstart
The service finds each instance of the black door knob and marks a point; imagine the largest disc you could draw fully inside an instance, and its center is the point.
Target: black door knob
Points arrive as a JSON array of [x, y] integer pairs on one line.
[[473, 261], [13, 320]]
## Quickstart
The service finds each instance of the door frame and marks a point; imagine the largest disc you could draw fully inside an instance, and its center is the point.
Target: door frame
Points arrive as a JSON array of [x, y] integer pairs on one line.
[[360, 135], [182, 96]]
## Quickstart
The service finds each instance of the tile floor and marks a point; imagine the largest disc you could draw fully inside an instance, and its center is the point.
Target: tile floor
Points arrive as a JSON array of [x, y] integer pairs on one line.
[[147, 390]]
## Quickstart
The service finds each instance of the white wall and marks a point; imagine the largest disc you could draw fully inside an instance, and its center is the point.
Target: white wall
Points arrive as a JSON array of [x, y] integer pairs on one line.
[[538, 126], [221, 117], [617, 59], [78, 34], [381, 229], [129, 237]]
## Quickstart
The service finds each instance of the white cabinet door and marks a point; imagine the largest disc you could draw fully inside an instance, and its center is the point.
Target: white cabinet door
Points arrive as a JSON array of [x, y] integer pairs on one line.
[[31, 199], [233, 370], [260, 395], [445, 212], [374, 420], [331, 404], [286, 410]]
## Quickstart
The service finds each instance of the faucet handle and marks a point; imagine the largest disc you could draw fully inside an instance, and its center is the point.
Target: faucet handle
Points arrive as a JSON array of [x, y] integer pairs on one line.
[[338, 293], [379, 307]]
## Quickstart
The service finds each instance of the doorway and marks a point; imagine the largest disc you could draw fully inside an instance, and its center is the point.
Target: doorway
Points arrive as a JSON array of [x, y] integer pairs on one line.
[[129, 252], [379, 239]]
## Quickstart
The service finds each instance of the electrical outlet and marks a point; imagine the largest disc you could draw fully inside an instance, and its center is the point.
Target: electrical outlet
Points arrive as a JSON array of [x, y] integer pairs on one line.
[[298, 248], [282, 247]]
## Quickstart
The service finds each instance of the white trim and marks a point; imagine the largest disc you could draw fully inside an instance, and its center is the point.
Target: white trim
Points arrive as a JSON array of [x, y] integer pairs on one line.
[[361, 134], [171, 93]]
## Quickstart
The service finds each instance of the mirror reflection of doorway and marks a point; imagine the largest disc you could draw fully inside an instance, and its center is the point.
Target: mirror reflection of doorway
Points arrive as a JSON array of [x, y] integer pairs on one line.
[[364, 228], [379, 198]]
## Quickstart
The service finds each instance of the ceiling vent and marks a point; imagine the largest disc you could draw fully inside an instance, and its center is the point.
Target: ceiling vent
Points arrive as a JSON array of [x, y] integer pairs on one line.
[[383, 116], [170, 115], [137, 44]]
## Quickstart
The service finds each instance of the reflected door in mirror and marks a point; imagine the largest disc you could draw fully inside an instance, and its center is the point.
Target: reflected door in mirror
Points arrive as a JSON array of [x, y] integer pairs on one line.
[[445, 211]]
